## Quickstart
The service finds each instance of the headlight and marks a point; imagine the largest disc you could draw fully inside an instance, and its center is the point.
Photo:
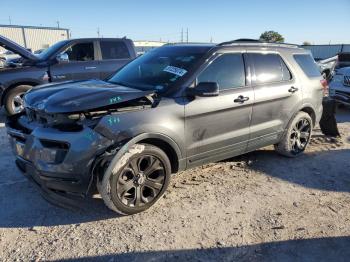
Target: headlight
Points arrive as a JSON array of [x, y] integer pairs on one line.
[[338, 78]]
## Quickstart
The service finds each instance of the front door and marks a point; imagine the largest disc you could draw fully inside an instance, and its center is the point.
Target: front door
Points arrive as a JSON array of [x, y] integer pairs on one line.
[[218, 127], [82, 64]]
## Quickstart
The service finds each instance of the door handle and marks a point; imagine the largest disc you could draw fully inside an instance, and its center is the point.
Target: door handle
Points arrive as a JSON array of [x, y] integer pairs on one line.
[[293, 89], [90, 67], [241, 99]]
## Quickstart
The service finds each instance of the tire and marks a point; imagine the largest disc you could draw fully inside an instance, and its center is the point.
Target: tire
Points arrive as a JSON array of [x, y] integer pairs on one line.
[[126, 188], [13, 99], [299, 129]]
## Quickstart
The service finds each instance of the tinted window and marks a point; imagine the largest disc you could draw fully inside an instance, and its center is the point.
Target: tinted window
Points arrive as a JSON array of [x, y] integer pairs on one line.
[[81, 52], [114, 50], [269, 68], [227, 70], [308, 65]]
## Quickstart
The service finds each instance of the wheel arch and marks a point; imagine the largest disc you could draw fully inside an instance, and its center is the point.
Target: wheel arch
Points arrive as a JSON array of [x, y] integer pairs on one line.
[[167, 144], [311, 112], [307, 108], [13, 85]]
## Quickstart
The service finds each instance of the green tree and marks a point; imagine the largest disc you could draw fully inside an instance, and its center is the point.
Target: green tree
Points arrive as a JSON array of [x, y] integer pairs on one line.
[[271, 37], [306, 43]]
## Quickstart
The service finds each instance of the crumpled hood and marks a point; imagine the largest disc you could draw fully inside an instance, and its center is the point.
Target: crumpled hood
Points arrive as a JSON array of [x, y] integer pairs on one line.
[[80, 96], [16, 48]]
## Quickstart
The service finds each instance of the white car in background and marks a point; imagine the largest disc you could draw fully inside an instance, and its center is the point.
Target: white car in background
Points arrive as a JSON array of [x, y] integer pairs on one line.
[[8, 55], [326, 66]]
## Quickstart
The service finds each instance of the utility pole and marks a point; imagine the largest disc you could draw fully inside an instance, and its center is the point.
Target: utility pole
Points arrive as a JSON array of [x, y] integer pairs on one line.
[[98, 32], [211, 39], [182, 35], [10, 20], [187, 35], [58, 24]]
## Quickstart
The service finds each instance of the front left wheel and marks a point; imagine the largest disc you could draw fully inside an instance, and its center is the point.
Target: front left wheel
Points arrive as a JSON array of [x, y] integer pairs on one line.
[[13, 100], [137, 180]]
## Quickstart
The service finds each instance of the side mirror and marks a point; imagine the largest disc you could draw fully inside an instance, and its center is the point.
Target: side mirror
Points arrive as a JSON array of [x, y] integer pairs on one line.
[[204, 89], [62, 58]]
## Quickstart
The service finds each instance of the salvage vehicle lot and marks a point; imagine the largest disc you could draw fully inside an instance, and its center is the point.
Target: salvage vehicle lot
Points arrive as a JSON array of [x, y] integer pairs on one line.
[[259, 206]]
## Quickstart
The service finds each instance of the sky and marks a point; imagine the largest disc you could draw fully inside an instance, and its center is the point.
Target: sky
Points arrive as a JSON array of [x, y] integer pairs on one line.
[[315, 21]]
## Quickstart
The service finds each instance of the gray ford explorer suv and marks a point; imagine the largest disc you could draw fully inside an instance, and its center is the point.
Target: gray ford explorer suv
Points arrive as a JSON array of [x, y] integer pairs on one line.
[[174, 108], [72, 59]]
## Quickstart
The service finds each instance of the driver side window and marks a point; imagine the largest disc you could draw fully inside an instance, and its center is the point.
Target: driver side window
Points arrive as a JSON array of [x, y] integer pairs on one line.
[[227, 71], [81, 52]]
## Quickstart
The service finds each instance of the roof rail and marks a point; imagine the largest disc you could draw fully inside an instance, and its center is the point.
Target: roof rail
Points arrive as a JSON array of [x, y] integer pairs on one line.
[[241, 40], [245, 41]]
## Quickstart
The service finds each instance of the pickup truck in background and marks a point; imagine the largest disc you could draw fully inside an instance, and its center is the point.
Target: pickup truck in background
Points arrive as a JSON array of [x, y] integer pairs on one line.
[[72, 59]]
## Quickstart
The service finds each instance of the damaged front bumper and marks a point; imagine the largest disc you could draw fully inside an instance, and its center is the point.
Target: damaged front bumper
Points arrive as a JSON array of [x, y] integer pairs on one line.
[[60, 163]]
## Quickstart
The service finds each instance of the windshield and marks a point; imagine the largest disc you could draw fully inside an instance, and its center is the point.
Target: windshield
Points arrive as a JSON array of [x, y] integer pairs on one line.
[[51, 50], [160, 68]]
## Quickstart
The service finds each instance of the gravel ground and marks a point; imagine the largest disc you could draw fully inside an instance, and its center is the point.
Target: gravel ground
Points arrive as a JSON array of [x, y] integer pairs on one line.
[[257, 207]]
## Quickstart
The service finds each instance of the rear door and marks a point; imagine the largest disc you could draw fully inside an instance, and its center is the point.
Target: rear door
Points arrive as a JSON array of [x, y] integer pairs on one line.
[[218, 127], [113, 55], [277, 95], [82, 64]]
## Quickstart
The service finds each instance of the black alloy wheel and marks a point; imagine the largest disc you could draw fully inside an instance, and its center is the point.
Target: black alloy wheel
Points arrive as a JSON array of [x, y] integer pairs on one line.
[[140, 181], [300, 135]]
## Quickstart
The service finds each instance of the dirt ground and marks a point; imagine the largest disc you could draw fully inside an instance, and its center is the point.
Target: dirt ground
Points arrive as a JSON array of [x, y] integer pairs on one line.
[[257, 207]]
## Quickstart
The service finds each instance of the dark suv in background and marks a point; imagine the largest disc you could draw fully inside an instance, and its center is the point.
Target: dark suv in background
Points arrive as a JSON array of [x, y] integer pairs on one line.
[[73, 59], [174, 108]]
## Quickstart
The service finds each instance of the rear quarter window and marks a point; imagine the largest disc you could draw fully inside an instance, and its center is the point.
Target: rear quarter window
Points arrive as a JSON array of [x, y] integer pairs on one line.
[[308, 65], [114, 50]]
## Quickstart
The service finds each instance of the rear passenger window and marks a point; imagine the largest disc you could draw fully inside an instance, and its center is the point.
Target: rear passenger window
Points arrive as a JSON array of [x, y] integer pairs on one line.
[[269, 68], [308, 65], [114, 50], [227, 70]]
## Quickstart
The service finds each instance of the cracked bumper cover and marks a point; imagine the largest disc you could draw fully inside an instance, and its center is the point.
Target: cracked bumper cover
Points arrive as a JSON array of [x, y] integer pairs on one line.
[[60, 163]]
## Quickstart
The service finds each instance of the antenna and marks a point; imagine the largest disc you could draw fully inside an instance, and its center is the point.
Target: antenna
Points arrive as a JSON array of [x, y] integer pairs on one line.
[[98, 32]]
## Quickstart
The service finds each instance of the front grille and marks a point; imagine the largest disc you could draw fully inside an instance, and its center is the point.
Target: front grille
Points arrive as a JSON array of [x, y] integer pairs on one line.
[[347, 80]]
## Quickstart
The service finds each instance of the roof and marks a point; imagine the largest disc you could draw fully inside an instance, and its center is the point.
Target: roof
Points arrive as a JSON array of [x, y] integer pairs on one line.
[[35, 27]]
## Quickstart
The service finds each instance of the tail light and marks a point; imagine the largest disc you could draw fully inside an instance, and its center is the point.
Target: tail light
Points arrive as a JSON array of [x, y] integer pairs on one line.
[[325, 86]]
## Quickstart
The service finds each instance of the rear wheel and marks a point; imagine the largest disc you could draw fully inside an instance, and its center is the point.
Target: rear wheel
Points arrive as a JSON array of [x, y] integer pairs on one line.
[[137, 180], [14, 99], [297, 136]]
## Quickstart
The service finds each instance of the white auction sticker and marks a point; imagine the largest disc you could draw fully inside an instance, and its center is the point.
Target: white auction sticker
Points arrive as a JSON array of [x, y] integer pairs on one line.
[[175, 70]]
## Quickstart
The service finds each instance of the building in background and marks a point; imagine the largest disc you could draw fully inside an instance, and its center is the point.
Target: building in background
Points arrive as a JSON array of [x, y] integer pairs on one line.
[[142, 47], [321, 52], [34, 37]]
